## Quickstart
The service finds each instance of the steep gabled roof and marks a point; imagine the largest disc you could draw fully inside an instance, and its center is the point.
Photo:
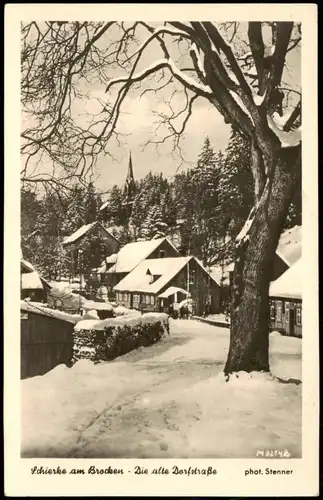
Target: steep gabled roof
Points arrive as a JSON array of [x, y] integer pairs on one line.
[[26, 267], [79, 233], [139, 280], [289, 284], [31, 281], [133, 253], [30, 278], [212, 275], [111, 259]]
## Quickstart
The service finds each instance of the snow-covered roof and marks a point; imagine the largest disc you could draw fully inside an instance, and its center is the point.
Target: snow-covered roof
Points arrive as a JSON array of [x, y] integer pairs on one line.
[[44, 310], [216, 273], [31, 281], [289, 248], [111, 259], [229, 268], [27, 267], [78, 233], [82, 231], [289, 284], [219, 273], [171, 291], [139, 280], [133, 253], [214, 278], [106, 203]]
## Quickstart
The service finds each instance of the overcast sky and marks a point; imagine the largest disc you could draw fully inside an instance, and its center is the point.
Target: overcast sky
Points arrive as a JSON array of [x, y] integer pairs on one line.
[[204, 121], [138, 122]]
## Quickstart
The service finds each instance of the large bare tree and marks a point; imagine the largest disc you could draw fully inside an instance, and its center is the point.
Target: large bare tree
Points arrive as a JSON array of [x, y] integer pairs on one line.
[[238, 68]]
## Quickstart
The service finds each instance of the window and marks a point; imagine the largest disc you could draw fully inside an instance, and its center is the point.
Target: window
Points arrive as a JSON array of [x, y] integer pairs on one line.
[[162, 254], [152, 300], [150, 276], [287, 307], [147, 299], [272, 312], [192, 277], [278, 310], [298, 316], [136, 297]]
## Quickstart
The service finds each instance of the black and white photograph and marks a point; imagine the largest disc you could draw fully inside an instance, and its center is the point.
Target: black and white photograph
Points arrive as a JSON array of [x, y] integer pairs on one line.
[[161, 238]]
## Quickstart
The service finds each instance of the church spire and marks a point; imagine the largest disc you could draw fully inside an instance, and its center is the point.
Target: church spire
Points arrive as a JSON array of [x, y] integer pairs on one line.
[[130, 185], [130, 176]]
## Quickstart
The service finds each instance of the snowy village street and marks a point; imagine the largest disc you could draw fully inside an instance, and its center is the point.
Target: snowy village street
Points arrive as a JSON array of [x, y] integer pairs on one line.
[[167, 400]]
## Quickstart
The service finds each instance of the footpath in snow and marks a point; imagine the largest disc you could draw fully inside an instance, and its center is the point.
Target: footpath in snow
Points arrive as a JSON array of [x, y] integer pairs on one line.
[[168, 400]]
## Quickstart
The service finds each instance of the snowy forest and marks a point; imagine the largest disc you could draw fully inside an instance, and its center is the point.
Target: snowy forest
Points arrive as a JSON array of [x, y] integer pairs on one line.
[[211, 200]]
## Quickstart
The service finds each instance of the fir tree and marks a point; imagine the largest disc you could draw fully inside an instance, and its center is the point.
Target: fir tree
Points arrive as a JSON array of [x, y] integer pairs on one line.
[[115, 212], [91, 206], [236, 196], [159, 228], [75, 216]]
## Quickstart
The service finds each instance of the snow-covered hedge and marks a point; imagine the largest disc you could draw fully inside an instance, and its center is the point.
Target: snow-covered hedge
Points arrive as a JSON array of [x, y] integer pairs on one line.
[[107, 339]]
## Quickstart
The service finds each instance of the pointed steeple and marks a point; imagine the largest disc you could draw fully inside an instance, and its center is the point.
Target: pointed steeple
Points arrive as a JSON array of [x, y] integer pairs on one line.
[[130, 170], [130, 185]]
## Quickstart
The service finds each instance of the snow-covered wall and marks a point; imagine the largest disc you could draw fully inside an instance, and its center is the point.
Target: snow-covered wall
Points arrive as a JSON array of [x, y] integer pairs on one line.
[[107, 339]]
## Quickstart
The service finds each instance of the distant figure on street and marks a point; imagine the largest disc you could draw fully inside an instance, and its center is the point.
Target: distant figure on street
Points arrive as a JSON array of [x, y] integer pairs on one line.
[[184, 312], [176, 310]]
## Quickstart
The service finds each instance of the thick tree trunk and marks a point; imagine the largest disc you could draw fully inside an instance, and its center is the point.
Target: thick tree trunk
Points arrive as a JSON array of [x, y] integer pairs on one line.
[[255, 252]]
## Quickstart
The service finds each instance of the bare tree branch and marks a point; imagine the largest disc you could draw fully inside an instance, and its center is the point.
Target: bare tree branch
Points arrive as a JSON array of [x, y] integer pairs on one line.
[[62, 62]]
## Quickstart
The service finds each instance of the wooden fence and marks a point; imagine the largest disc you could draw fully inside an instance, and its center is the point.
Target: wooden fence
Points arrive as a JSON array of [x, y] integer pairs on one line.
[[45, 343]]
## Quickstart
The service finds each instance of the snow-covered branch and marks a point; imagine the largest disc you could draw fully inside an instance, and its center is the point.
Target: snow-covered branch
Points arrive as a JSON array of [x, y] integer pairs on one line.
[[243, 236], [187, 81], [287, 139], [198, 63], [162, 30]]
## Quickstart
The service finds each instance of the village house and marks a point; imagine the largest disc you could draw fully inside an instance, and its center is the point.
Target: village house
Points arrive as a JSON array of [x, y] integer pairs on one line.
[[32, 285], [118, 266], [79, 240], [286, 301], [156, 284]]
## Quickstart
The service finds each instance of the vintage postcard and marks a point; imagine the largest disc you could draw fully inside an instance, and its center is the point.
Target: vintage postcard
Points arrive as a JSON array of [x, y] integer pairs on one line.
[[161, 240]]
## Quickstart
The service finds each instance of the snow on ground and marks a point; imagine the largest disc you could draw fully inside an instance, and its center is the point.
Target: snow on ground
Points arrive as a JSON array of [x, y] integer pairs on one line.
[[221, 318], [166, 400]]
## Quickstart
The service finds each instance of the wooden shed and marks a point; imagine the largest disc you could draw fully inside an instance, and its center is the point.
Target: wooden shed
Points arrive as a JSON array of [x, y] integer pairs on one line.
[[46, 338]]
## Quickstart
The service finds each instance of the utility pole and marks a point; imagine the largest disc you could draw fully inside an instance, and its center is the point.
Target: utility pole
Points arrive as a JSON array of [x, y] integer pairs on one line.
[[81, 277]]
